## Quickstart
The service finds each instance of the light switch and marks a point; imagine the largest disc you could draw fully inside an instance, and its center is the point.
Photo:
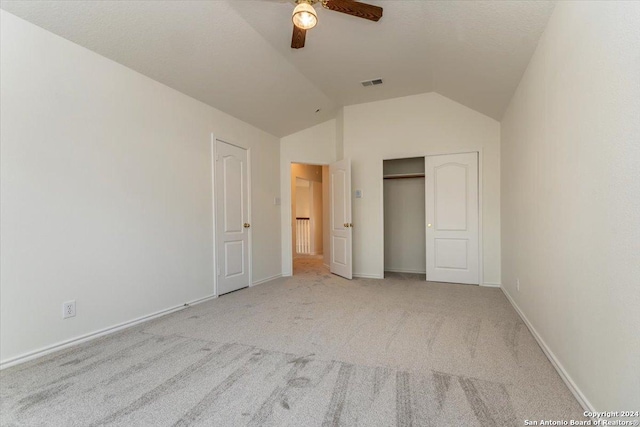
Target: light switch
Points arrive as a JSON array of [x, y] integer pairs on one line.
[[358, 194]]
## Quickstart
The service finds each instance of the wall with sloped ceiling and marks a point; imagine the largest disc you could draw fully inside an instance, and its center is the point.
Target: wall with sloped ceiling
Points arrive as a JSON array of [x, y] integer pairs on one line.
[[106, 193], [415, 126], [571, 199]]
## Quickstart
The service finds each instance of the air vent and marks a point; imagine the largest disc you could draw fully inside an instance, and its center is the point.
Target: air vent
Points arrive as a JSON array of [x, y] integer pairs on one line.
[[373, 82]]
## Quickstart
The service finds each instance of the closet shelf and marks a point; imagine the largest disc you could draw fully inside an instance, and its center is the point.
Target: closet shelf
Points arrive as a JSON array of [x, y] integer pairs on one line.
[[403, 175]]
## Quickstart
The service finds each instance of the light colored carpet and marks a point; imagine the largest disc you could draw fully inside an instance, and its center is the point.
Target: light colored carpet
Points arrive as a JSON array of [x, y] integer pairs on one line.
[[310, 350]]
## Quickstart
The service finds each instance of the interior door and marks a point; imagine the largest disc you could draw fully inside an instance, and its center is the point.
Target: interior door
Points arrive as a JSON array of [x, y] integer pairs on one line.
[[452, 218], [341, 226], [232, 218]]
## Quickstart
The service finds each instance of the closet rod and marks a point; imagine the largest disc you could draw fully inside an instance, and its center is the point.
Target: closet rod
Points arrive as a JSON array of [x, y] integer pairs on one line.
[[403, 176]]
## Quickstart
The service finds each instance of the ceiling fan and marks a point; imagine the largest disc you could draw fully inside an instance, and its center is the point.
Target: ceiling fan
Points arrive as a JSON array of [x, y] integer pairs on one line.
[[304, 16]]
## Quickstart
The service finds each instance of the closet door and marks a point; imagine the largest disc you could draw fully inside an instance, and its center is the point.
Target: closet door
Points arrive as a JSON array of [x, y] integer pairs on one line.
[[452, 229], [232, 218]]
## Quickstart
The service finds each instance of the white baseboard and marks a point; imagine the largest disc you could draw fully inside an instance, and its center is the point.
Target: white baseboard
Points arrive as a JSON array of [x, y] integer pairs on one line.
[[268, 279], [368, 276], [580, 397], [491, 285], [97, 334], [393, 270]]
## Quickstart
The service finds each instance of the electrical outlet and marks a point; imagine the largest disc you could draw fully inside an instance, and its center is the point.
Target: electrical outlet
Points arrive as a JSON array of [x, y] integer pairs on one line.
[[518, 284], [68, 309]]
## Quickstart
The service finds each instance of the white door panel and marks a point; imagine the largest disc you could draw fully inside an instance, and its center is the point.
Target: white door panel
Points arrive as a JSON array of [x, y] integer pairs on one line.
[[341, 227], [452, 218], [232, 217], [450, 198]]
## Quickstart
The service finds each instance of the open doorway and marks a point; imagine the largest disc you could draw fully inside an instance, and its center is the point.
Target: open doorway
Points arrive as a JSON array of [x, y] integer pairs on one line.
[[310, 216]]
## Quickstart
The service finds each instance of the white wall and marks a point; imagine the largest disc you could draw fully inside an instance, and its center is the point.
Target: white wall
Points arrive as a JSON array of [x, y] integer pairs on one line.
[[326, 235], [317, 228], [415, 126], [571, 197], [106, 192], [339, 141], [303, 201], [404, 225], [315, 145]]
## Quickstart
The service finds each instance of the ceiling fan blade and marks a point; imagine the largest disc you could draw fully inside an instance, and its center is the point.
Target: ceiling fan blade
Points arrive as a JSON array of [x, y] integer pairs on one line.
[[355, 8], [299, 34]]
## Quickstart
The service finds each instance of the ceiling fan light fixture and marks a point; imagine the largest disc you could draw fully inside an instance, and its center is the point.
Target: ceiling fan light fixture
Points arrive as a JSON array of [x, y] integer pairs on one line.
[[304, 16]]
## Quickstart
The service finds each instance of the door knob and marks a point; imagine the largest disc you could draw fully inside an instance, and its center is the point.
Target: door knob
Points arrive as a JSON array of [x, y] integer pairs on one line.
[[345, 225], [350, 225], [247, 225]]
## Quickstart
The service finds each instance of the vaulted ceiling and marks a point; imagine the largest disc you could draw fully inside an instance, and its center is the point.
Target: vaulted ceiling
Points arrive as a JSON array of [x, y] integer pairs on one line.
[[236, 55]]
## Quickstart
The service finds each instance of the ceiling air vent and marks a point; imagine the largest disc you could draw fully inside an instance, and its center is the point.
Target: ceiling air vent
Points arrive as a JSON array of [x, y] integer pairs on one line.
[[373, 82]]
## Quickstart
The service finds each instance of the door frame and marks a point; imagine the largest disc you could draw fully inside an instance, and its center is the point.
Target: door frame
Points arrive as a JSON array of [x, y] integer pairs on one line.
[[214, 194], [480, 191], [288, 215]]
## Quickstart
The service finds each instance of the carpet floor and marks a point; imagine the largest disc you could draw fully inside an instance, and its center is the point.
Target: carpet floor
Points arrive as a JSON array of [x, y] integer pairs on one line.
[[309, 350]]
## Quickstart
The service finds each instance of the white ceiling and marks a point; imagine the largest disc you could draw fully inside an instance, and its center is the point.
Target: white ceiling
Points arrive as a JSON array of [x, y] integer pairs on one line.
[[235, 55]]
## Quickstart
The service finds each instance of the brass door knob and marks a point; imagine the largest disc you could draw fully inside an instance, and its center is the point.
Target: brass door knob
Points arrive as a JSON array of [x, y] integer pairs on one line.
[[345, 225], [247, 225]]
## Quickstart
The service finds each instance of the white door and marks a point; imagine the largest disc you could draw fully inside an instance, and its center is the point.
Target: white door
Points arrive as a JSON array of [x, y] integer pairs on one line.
[[452, 218], [341, 226], [232, 218]]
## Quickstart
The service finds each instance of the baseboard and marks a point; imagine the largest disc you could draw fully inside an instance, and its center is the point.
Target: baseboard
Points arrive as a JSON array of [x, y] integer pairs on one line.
[[268, 279], [368, 276], [393, 270], [491, 285], [97, 334], [580, 397]]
